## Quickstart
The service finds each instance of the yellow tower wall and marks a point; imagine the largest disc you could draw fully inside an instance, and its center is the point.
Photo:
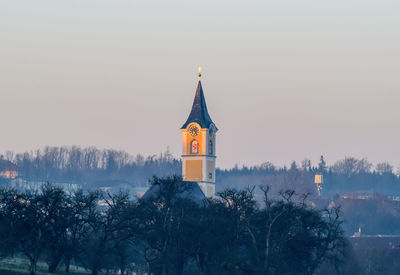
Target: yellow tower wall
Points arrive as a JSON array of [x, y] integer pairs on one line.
[[193, 170], [197, 167]]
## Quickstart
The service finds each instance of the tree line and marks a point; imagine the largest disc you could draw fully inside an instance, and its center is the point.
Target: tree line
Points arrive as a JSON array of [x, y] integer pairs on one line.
[[90, 164], [344, 176], [169, 233], [97, 168]]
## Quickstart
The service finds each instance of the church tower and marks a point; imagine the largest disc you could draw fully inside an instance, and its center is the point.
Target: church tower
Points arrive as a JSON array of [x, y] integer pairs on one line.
[[198, 145]]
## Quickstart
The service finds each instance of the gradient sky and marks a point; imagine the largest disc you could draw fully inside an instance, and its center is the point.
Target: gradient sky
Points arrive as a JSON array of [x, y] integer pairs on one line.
[[284, 80]]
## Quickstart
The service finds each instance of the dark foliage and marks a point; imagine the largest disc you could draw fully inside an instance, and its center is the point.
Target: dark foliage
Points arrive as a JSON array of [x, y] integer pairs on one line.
[[168, 233]]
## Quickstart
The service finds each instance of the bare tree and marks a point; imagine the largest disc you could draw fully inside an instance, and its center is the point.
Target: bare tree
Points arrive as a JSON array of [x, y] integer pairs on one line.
[[384, 168]]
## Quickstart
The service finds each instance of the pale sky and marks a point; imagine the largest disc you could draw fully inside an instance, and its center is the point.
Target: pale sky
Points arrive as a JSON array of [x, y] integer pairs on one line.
[[283, 80]]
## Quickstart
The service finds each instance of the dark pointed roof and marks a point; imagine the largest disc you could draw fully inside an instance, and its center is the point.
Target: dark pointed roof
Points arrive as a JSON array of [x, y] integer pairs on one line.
[[199, 113], [187, 190]]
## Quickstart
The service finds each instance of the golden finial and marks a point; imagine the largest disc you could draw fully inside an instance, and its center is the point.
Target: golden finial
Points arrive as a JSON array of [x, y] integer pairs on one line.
[[199, 72]]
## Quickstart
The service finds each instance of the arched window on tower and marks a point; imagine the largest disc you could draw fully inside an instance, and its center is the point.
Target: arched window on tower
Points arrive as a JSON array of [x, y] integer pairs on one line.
[[210, 147], [194, 147]]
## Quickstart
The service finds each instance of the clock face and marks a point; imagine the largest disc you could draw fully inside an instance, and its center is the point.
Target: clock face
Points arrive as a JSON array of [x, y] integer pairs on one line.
[[194, 131]]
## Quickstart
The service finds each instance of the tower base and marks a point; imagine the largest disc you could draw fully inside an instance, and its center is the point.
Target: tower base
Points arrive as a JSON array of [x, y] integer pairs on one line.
[[207, 188]]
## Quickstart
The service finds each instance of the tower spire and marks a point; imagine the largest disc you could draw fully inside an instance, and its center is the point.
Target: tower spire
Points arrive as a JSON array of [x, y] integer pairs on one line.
[[198, 145], [199, 113]]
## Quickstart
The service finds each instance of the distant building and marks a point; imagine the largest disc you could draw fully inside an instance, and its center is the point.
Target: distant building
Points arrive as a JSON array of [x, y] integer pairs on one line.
[[8, 170], [198, 145], [198, 153], [357, 234], [363, 195], [318, 179]]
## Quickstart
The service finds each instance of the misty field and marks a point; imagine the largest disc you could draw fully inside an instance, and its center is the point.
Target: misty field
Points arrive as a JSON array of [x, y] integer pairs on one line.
[[17, 266]]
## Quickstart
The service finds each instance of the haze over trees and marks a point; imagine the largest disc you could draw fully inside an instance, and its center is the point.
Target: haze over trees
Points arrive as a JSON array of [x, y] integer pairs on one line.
[[168, 234], [92, 168], [344, 181], [101, 230]]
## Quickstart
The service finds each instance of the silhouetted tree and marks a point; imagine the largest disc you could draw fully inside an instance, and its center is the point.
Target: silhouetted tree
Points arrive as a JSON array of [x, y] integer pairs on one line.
[[26, 218], [384, 168], [169, 221], [109, 229], [322, 168], [172, 229], [84, 207]]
